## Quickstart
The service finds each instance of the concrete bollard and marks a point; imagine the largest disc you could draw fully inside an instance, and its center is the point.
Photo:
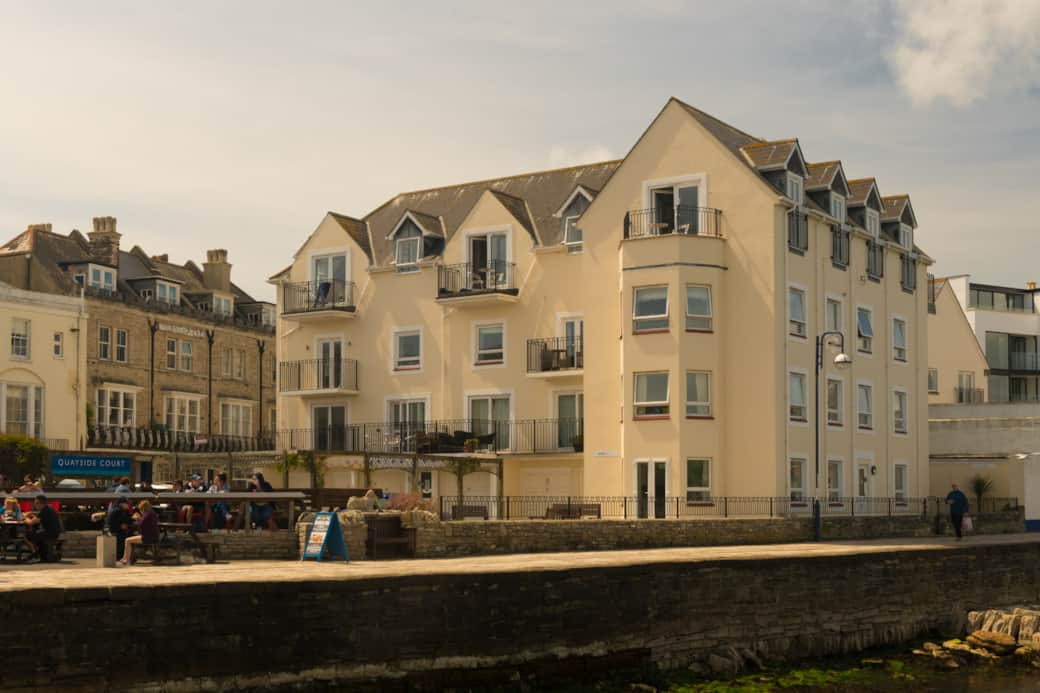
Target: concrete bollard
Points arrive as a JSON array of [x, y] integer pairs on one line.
[[106, 551]]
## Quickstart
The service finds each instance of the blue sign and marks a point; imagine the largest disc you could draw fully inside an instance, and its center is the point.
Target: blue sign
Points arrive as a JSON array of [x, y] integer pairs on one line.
[[89, 465], [325, 533]]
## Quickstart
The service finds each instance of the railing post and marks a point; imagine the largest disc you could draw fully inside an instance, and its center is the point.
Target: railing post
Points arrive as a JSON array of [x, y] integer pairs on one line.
[[890, 507], [624, 507], [568, 507], [507, 507], [725, 506]]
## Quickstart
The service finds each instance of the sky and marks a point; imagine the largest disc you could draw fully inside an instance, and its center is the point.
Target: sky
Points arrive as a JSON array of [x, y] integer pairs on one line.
[[239, 124]]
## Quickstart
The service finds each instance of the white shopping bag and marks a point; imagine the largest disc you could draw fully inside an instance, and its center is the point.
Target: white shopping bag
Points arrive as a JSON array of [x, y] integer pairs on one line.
[[966, 524]]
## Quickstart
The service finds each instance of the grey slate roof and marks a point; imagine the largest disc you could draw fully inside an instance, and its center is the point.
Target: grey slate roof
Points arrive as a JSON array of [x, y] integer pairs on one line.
[[858, 190], [356, 229], [532, 198], [821, 174], [766, 155]]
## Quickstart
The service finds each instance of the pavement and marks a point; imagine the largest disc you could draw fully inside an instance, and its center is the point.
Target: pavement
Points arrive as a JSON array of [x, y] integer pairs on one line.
[[82, 573]]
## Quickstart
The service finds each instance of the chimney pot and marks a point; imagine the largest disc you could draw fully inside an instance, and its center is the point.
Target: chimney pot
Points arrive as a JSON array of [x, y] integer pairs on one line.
[[216, 271], [39, 227], [1031, 285], [165, 257]]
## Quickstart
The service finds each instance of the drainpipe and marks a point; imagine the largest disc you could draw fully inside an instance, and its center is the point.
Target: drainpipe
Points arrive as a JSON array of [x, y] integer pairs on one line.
[[210, 336], [79, 389], [260, 347], [153, 327]]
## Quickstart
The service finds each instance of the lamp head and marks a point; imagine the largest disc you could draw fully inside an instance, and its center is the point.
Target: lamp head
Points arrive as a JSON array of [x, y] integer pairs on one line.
[[842, 360]]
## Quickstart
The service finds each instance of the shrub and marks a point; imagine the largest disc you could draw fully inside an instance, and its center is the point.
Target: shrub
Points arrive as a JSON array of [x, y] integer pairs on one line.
[[409, 501], [20, 456]]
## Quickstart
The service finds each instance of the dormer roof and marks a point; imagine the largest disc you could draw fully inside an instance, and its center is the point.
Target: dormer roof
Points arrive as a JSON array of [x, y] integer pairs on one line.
[[827, 175], [428, 225], [356, 229], [897, 208], [776, 155], [864, 192], [579, 190]]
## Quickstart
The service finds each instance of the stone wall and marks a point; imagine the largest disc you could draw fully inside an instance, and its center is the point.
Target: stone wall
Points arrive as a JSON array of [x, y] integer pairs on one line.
[[455, 629], [234, 546]]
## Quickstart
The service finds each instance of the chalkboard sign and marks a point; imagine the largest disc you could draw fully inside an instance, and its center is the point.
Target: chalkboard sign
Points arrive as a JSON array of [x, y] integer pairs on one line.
[[325, 533]]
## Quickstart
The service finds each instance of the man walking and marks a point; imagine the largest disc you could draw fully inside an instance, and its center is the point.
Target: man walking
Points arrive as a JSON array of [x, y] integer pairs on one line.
[[958, 503]]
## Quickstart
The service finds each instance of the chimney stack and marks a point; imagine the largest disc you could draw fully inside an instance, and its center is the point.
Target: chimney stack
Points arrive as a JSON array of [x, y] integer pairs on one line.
[[104, 241], [33, 228], [216, 271], [1031, 285]]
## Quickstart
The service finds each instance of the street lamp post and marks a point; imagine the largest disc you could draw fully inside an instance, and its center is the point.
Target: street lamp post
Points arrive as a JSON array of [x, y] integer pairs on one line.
[[841, 360]]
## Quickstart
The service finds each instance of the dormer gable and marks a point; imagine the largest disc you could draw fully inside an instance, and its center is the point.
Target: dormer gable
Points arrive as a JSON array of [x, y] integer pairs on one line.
[[864, 205], [426, 225], [897, 208], [781, 163], [580, 198]]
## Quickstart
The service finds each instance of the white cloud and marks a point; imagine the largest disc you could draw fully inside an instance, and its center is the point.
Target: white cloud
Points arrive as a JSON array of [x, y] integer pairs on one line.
[[962, 50], [561, 155]]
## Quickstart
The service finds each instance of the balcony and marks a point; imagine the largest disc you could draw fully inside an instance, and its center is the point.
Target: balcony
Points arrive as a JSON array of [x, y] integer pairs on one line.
[[681, 220], [318, 299], [318, 377], [1027, 361], [557, 357], [531, 436], [480, 284], [968, 395], [158, 438]]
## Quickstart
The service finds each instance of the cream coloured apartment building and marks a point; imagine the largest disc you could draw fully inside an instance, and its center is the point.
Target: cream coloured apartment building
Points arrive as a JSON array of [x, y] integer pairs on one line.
[[664, 306], [43, 371]]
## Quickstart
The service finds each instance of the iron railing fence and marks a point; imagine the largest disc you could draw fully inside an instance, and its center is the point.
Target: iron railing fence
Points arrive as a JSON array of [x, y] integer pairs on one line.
[[673, 507], [555, 354], [440, 437], [468, 278], [1025, 361], [318, 294], [159, 438], [684, 220], [318, 374]]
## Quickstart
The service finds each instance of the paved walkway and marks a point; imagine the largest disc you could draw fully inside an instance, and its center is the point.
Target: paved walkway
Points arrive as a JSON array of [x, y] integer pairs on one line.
[[83, 574]]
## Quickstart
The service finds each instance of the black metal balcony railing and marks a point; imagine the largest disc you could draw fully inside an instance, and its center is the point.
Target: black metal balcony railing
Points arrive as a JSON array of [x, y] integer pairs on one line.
[[798, 231], [325, 294], [439, 437], [1025, 361], [840, 245], [875, 260], [468, 278], [318, 374], [908, 273], [157, 438], [555, 354], [968, 395], [686, 221]]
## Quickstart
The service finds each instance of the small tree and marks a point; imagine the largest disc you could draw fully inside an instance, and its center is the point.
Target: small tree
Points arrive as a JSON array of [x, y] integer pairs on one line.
[[20, 456], [980, 486], [303, 460]]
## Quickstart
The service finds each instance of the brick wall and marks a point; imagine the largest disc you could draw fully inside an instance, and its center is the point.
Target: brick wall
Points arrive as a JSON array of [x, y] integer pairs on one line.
[[483, 628]]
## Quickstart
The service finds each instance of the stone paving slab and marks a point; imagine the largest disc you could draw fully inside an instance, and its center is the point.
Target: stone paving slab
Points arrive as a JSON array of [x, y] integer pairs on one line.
[[82, 575]]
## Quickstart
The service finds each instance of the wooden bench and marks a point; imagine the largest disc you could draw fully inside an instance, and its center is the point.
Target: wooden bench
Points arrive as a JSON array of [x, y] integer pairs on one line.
[[159, 552], [573, 511], [462, 512]]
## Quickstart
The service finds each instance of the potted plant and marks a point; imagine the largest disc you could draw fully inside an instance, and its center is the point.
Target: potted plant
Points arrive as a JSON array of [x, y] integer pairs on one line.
[[578, 442], [470, 445], [980, 486]]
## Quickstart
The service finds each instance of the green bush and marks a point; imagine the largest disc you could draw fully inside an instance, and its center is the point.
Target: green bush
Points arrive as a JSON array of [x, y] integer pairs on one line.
[[20, 456]]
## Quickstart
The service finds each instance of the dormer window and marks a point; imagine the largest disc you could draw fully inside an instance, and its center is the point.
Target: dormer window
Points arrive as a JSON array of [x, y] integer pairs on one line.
[[569, 213], [222, 306], [407, 247], [906, 236], [102, 278], [873, 222], [795, 188], [167, 293], [838, 209], [571, 234]]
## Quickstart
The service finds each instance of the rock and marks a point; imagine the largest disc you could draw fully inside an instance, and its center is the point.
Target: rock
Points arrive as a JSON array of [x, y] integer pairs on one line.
[[721, 665], [697, 668], [950, 663], [921, 653], [641, 688], [1024, 652], [872, 662], [995, 642], [982, 654], [750, 657], [930, 647], [956, 646]]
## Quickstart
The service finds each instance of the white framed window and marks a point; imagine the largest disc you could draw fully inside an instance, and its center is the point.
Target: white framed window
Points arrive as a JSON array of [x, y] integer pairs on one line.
[[698, 308], [490, 344], [408, 350], [223, 306], [873, 223], [651, 395], [20, 335], [797, 409], [571, 234], [899, 411], [906, 236], [899, 339], [795, 188], [104, 345], [933, 381], [838, 207], [835, 402], [147, 294], [22, 407], [570, 415], [167, 293], [834, 313], [407, 248], [102, 278], [116, 407], [796, 325], [864, 330], [171, 354], [490, 414], [187, 356], [796, 478], [236, 419], [59, 345], [329, 277], [225, 363], [698, 480], [865, 406], [329, 423], [238, 364], [901, 481], [698, 394], [182, 414], [406, 412], [649, 308], [835, 479], [122, 350]]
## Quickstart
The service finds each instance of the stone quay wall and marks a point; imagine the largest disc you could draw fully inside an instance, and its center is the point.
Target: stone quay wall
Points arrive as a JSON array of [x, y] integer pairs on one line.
[[493, 628], [435, 539], [234, 546]]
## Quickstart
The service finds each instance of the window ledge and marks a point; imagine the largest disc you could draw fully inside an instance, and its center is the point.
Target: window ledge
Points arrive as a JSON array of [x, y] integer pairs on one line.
[[659, 331], [695, 417], [406, 368], [652, 417], [796, 251], [839, 266], [797, 420], [700, 331], [488, 363], [866, 428]]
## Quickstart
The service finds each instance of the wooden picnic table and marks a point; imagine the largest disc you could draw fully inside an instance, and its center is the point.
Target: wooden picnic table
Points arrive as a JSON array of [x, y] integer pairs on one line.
[[207, 550]]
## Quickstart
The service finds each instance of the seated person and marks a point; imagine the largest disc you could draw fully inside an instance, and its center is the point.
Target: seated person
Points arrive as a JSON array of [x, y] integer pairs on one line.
[[148, 528], [28, 485], [262, 514], [44, 528], [120, 524], [12, 512]]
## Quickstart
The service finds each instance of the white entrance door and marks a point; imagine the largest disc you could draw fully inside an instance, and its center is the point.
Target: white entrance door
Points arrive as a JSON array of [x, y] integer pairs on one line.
[[330, 364], [651, 488], [864, 487]]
